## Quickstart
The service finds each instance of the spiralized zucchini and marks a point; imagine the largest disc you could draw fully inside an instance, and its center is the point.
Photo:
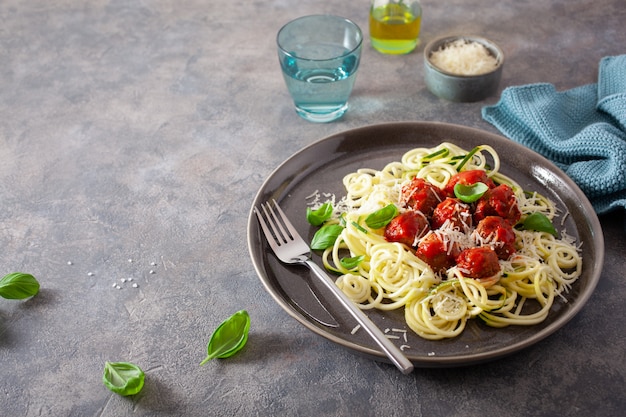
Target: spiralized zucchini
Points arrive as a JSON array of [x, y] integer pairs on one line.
[[391, 276]]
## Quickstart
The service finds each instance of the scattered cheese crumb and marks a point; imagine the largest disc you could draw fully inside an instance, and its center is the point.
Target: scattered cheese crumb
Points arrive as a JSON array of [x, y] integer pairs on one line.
[[90, 274], [356, 328], [151, 271], [403, 334], [135, 285], [404, 347], [69, 262]]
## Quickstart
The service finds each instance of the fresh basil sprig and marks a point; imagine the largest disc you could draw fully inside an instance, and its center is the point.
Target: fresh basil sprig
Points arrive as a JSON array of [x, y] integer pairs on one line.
[[18, 285], [380, 218], [123, 378], [320, 215], [470, 193], [326, 236], [229, 337], [539, 222]]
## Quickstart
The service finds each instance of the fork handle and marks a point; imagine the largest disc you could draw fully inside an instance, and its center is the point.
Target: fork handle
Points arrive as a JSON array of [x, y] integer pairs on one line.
[[392, 351]]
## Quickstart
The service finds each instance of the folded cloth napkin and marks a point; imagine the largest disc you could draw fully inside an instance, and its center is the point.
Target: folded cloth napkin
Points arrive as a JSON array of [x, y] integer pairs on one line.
[[582, 130]]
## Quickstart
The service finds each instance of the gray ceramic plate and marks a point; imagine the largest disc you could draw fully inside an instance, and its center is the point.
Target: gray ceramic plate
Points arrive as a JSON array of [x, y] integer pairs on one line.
[[322, 165]]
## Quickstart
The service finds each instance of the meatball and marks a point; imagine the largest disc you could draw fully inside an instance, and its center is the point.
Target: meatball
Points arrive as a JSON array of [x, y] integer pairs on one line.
[[421, 195], [437, 251], [407, 228], [498, 201], [454, 210], [496, 232], [467, 178], [478, 263]]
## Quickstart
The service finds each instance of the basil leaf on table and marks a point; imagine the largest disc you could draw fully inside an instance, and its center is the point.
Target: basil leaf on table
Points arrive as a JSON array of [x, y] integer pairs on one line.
[[229, 337], [320, 215], [380, 218], [18, 286], [123, 378]]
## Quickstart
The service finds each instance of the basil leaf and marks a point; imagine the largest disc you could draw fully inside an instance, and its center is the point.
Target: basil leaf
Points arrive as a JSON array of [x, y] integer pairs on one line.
[[380, 218], [539, 222], [17, 286], [470, 193], [229, 337], [320, 215], [326, 236], [351, 263], [123, 378]]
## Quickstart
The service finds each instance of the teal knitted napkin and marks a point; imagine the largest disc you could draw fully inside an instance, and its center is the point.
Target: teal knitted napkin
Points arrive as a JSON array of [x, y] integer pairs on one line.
[[582, 130]]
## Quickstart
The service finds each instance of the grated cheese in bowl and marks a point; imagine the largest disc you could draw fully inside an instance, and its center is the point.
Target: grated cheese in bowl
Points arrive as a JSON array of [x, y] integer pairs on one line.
[[464, 57]]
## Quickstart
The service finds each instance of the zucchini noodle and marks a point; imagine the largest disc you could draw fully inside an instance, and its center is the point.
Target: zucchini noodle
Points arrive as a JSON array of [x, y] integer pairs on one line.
[[438, 305]]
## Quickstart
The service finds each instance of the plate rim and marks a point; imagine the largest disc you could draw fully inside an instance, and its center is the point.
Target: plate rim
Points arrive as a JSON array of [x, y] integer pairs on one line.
[[427, 361]]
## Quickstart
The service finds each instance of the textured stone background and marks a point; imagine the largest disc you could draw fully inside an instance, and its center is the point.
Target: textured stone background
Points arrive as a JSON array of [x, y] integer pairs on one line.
[[141, 130]]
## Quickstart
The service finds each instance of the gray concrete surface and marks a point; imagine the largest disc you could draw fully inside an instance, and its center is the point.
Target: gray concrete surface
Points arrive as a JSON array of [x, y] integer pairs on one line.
[[133, 137]]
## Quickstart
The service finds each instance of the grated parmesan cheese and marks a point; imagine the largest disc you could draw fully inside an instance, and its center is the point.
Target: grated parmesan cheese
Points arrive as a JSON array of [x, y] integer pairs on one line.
[[314, 200], [464, 57]]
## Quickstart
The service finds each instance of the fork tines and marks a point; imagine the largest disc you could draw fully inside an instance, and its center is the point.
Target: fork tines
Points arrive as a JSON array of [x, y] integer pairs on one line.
[[277, 224]]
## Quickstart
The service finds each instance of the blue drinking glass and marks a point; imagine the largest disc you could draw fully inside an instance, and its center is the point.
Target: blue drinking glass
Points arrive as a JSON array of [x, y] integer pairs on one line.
[[319, 56]]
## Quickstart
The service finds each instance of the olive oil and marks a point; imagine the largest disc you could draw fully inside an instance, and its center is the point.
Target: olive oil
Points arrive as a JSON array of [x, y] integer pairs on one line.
[[395, 27]]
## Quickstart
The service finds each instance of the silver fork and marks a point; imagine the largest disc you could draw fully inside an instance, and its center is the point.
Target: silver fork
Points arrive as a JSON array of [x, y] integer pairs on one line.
[[290, 248]]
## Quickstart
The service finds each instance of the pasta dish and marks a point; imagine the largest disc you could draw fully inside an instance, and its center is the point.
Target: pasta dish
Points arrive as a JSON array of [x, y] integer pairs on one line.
[[445, 235]]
